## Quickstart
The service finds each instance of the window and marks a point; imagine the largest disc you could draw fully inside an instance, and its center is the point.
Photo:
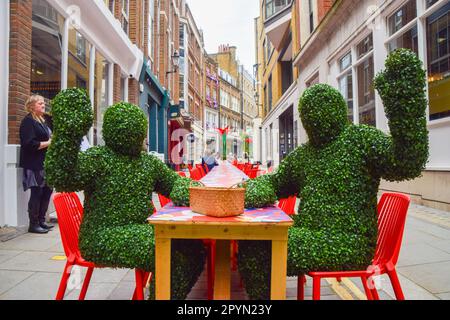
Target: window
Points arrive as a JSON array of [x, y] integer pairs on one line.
[[366, 92], [314, 80], [346, 82], [311, 16], [365, 46], [181, 82], [438, 52], [45, 78], [407, 39], [110, 5], [431, 2], [125, 15], [269, 93], [81, 47], [181, 35], [402, 17]]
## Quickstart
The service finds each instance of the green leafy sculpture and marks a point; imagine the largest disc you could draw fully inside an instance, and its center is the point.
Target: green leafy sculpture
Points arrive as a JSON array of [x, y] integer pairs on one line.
[[118, 180], [337, 176]]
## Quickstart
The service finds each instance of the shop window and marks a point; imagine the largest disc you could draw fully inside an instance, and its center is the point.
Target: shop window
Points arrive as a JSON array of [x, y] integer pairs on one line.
[[366, 92], [402, 17], [365, 46], [438, 51], [346, 88], [45, 78]]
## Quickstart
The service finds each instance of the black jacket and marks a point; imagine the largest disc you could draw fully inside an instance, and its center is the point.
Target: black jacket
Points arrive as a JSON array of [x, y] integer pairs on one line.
[[32, 133]]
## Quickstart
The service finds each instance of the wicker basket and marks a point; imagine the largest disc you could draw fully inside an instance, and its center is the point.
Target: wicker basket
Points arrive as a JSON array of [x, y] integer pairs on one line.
[[217, 202]]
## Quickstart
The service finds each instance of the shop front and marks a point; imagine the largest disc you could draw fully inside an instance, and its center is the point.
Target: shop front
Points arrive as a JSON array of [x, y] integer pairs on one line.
[[154, 101]]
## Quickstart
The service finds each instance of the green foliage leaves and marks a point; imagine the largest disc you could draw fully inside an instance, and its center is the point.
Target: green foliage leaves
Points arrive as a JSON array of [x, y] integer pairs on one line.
[[118, 181], [323, 112], [337, 176], [72, 113], [125, 128]]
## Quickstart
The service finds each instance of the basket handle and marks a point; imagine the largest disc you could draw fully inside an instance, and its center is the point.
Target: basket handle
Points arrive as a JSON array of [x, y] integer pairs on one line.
[[190, 184], [236, 184]]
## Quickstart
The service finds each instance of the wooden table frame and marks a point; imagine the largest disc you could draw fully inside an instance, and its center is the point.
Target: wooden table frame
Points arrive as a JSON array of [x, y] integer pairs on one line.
[[165, 231]]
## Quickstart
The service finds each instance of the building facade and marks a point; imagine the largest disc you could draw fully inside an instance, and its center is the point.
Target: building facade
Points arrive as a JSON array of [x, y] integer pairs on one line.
[[53, 45], [347, 53], [212, 104], [192, 83]]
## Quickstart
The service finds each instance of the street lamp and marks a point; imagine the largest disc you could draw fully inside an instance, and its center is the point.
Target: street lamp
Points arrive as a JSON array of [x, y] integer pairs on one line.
[[175, 62]]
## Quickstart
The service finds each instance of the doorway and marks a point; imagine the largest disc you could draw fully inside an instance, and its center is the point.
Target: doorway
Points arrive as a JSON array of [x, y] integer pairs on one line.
[[286, 126]]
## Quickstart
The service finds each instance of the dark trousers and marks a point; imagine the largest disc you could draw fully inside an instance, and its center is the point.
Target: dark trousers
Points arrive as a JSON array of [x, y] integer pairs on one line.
[[38, 204]]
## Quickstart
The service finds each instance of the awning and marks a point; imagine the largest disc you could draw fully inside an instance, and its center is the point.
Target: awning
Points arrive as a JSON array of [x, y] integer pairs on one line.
[[99, 26], [155, 89], [177, 115]]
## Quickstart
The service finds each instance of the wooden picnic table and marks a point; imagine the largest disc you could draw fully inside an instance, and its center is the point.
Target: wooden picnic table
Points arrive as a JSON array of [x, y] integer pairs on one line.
[[270, 224]]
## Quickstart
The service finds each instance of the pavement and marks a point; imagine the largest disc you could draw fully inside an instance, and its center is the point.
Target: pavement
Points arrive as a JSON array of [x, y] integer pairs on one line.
[[31, 267]]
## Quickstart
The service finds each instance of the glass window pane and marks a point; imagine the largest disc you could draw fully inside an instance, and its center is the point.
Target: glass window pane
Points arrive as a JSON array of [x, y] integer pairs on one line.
[[408, 40], [438, 32], [366, 93], [365, 46], [346, 61], [346, 88], [79, 60], [402, 17], [45, 78], [100, 96]]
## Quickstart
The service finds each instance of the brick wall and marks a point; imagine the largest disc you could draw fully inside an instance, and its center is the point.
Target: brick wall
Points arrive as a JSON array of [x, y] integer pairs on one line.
[[19, 65]]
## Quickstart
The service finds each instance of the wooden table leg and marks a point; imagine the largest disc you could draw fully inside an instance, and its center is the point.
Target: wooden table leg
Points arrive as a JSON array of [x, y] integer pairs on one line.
[[162, 268], [279, 270], [222, 280]]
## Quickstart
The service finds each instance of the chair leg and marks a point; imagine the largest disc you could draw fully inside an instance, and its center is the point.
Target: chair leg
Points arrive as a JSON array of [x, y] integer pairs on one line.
[[316, 288], [139, 292], [87, 280], [301, 287], [375, 294], [396, 285], [63, 283], [366, 288]]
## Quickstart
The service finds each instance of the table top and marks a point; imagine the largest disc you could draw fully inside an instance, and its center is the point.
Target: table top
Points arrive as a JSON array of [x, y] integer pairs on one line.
[[225, 175], [180, 215]]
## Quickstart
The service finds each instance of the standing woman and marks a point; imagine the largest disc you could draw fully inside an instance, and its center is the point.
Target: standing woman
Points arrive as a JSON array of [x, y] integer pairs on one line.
[[35, 138]]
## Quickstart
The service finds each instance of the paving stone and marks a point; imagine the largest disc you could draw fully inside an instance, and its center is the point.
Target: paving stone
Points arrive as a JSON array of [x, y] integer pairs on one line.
[[96, 291], [433, 277], [123, 291], [8, 254], [107, 275], [443, 245], [9, 279], [444, 296], [34, 261], [415, 236], [416, 254], [30, 243], [38, 286]]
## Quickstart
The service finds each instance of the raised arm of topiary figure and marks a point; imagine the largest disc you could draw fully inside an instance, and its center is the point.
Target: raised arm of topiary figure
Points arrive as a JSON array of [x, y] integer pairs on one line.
[[404, 154], [66, 168]]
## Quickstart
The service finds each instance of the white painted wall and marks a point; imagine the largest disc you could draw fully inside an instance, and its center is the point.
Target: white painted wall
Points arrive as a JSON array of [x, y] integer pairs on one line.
[[4, 81]]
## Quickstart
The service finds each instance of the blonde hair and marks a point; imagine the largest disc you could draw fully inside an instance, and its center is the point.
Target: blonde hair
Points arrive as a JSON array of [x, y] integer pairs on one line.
[[30, 104]]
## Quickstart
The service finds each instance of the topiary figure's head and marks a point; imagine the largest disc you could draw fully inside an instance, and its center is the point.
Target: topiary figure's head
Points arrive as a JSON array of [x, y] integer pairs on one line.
[[323, 112], [125, 128]]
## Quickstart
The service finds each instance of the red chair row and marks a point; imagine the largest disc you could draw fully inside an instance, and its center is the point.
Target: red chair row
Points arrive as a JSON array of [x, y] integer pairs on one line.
[[70, 214]]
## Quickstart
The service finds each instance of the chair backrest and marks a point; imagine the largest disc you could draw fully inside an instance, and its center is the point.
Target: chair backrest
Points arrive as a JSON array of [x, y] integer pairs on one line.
[[205, 167], [163, 201], [181, 174], [288, 205], [392, 210], [196, 174], [201, 170], [251, 173], [70, 214]]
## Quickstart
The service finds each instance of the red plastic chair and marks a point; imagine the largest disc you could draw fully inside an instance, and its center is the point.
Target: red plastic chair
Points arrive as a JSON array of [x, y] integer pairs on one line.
[[392, 210], [70, 214], [196, 174], [252, 173], [288, 205], [181, 174], [201, 169]]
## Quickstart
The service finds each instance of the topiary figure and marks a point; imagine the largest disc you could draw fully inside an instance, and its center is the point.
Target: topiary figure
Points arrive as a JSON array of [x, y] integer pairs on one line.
[[337, 176], [118, 180]]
